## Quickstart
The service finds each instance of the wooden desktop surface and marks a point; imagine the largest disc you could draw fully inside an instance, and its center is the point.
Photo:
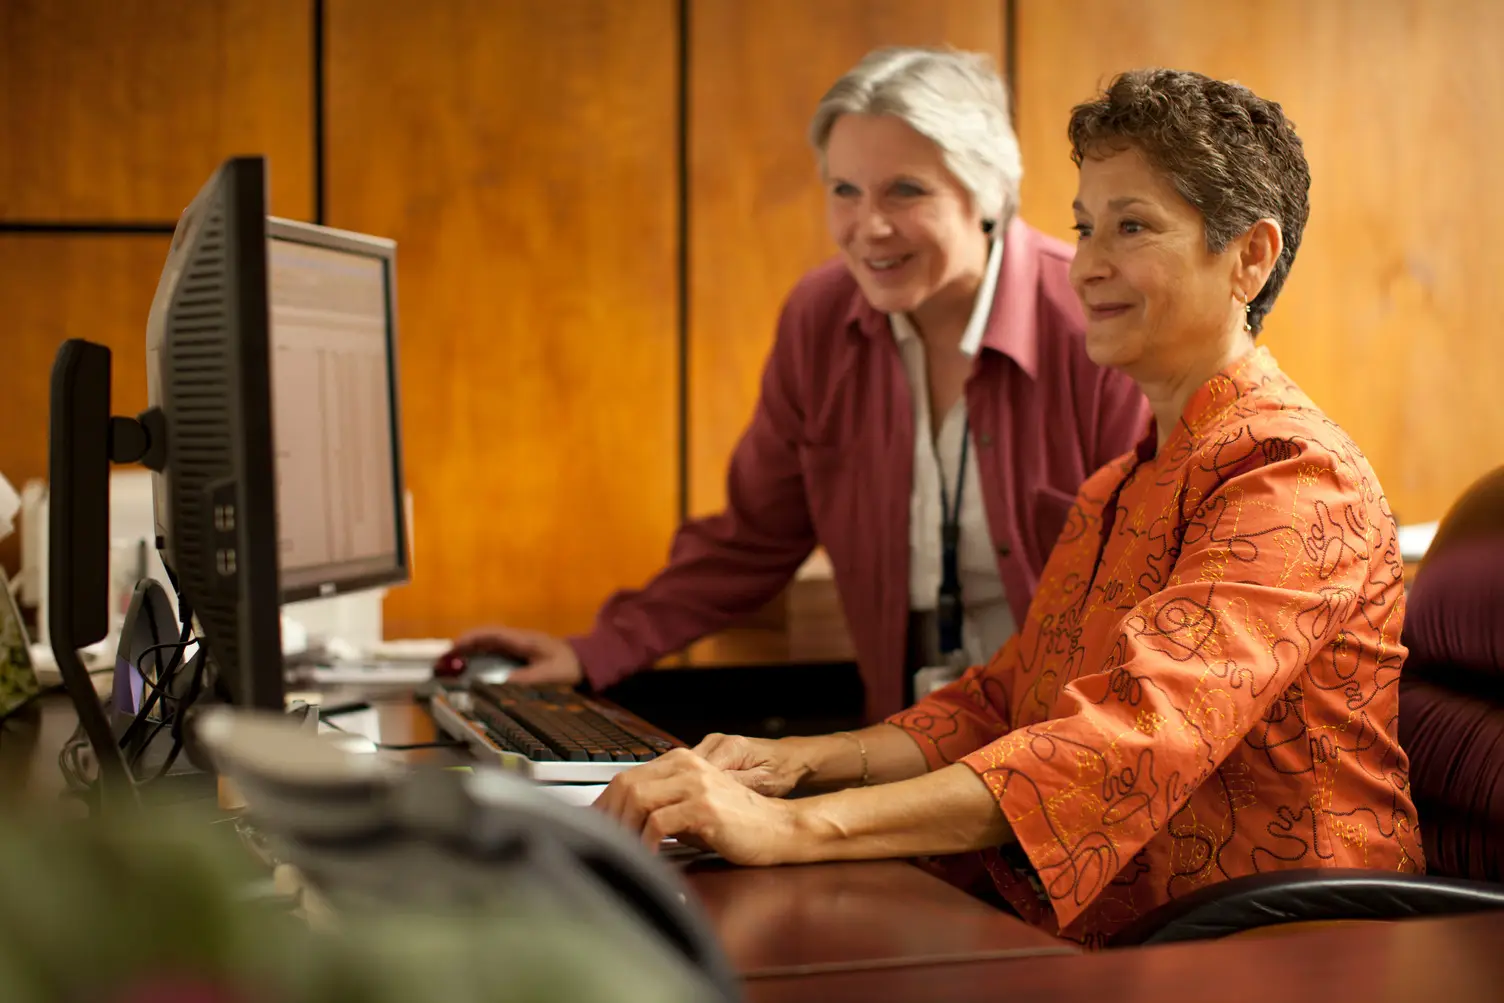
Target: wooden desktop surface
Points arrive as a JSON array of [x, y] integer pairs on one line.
[[772, 922], [759, 646], [803, 626], [885, 930], [1415, 961], [822, 917]]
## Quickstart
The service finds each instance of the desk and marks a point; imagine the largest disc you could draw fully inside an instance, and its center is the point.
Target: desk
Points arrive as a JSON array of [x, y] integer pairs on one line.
[[793, 673], [1415, 961], [783, 921], [821, 918], [803, 626], [773, 922]]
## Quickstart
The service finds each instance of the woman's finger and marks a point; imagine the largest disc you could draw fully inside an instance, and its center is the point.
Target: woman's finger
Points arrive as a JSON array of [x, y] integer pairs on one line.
[[642, 796], [674, 820]]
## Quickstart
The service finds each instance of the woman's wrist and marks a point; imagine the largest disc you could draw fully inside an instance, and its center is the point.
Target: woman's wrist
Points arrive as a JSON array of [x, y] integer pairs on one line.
[[949, 811], [825, 762]]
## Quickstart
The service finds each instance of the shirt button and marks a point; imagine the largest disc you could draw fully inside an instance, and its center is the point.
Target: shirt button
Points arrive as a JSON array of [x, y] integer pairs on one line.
[[986, 439], [1004, 550]]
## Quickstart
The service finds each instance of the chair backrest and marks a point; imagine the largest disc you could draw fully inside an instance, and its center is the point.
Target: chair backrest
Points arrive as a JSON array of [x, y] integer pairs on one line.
[[1452, 688]]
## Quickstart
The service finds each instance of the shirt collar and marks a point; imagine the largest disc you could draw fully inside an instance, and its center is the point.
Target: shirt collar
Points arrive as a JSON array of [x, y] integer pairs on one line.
[[1228, 389], [976, 325], [1209, 405]]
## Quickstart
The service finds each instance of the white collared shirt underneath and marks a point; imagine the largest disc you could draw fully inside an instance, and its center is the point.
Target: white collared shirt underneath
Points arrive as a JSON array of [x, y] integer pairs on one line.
[[988, 619]]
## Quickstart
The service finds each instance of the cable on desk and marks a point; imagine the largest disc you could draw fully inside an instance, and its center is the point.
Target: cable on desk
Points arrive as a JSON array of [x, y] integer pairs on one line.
[[162, 688]]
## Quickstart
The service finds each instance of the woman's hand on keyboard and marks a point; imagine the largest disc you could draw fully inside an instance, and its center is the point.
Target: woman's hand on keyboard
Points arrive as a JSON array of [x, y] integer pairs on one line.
[[767, 766], [680, 794]]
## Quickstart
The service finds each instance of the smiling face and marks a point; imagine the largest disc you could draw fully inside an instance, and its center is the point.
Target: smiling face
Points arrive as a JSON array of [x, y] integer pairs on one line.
[[907, 228], [1158, 303]]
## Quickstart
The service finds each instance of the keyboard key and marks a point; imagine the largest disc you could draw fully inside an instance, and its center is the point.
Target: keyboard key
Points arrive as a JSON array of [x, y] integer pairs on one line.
[[565, 726]]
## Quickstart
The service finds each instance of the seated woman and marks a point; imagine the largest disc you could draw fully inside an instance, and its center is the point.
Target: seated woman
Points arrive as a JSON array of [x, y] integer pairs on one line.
[[1205, 685]]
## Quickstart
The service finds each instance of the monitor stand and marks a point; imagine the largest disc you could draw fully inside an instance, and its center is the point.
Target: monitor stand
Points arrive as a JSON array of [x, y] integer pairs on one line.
[[84, 439]]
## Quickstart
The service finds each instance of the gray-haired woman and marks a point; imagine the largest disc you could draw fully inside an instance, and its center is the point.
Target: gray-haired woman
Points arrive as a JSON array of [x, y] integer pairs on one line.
[[926, 415]]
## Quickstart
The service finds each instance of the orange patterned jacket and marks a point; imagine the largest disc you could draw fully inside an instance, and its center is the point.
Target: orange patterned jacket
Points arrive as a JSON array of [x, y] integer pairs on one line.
[[1206, 684]]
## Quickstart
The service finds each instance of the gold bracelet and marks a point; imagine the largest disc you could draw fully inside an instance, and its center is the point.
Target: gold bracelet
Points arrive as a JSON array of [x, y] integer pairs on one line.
[[861, 748]]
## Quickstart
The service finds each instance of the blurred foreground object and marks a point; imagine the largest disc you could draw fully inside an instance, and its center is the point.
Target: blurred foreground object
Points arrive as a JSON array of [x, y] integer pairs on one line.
[[158, 908]]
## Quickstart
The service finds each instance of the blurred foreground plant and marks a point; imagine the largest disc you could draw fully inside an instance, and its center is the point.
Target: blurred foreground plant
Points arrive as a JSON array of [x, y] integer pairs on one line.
[[166, 909]]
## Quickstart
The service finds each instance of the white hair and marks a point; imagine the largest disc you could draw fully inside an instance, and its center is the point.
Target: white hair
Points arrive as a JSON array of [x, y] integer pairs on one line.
[[955, 99]]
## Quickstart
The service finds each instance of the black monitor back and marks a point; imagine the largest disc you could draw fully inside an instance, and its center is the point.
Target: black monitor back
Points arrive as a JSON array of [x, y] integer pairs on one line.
[[209, 372]]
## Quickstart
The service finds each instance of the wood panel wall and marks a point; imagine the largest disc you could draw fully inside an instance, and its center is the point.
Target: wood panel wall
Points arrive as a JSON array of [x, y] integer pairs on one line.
[[523, 155], [115, 113], [526, 157], [1386, 320], [56, 287], [757, 216], [115, 110]]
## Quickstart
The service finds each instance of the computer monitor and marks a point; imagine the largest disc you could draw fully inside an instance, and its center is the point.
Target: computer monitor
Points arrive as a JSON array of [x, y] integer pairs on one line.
[[272, 354], [209, 378], [340, 511], [271, 361]]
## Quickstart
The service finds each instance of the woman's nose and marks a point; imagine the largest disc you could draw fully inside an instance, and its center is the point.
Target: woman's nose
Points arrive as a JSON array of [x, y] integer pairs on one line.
[[1089, 263], [873, 223]]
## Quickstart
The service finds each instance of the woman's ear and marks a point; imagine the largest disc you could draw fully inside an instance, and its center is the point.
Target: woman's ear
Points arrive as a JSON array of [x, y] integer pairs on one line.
[[1258, 251]]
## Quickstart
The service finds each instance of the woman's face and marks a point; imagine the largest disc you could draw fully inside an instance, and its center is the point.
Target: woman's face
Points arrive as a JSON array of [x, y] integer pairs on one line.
[[1156, 300], [907, 228]]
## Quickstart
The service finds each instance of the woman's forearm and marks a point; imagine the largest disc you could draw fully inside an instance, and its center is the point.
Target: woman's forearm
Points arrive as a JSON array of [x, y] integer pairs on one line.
[[948, 811], [881, 754]]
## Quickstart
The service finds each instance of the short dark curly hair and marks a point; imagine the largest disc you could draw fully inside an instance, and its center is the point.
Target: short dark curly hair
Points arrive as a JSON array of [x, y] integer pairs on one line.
[[1230, 153]]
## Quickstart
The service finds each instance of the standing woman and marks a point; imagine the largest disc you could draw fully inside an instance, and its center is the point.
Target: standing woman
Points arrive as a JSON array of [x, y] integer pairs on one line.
[[926, 415]]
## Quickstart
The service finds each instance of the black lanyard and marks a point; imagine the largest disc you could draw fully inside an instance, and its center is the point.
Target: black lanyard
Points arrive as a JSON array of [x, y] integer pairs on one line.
[[948, 604]]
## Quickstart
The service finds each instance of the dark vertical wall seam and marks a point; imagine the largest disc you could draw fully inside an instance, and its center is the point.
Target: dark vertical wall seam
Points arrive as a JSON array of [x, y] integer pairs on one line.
[[683, 262], [319, 207], [1010, 57]]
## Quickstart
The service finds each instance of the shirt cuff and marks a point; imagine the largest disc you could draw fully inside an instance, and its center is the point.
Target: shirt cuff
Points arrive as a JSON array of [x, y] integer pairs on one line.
[[1055, 817], [603, 660], [917, 724]]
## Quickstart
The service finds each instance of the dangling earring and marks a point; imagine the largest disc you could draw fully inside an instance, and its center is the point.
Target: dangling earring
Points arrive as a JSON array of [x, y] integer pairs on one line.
[[1247, 314]]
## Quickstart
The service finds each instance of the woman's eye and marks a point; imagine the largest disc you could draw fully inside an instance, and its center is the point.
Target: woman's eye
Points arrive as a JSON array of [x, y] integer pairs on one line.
[[1131, 226], [1082, 231], [843, 189], [907, 190]]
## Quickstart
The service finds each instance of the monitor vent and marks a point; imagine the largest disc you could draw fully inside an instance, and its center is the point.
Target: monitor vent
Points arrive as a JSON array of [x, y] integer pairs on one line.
[[199, 381]]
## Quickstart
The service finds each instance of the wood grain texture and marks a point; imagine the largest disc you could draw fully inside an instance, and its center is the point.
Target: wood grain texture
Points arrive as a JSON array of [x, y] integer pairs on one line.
[[780, 921], [120, 109], [1411, 961], [1386, 320], [756, 215], [55, 288], [523, 156]]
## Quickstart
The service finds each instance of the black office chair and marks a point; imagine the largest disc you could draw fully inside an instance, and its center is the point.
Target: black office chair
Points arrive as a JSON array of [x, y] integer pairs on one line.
[[1452, 729]]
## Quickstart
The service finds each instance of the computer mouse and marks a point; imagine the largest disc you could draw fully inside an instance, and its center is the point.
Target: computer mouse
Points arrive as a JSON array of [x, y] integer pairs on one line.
[[478, 660]]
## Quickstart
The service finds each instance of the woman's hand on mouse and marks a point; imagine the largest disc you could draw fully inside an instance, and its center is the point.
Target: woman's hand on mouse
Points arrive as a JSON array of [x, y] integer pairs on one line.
[[550, 660]]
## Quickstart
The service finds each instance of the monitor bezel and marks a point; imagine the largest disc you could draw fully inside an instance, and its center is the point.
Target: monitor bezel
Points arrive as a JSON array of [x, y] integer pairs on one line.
[[384, 249]]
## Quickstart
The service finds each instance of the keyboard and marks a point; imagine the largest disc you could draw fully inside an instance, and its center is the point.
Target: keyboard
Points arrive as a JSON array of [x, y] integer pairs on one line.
[[550, 734]]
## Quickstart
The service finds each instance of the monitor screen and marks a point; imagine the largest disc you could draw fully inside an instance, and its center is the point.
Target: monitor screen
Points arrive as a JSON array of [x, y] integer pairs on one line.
[[339, 487]]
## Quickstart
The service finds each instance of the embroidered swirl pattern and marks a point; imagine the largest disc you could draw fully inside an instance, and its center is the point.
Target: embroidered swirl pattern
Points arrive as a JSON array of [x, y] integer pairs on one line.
[[1208, 687]]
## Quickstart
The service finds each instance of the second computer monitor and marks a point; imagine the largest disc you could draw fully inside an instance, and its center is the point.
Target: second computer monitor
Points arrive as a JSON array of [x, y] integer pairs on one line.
[[334, 390]]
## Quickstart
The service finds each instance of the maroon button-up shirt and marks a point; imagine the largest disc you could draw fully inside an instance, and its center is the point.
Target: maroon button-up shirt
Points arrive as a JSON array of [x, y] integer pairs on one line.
[[829, 455]]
